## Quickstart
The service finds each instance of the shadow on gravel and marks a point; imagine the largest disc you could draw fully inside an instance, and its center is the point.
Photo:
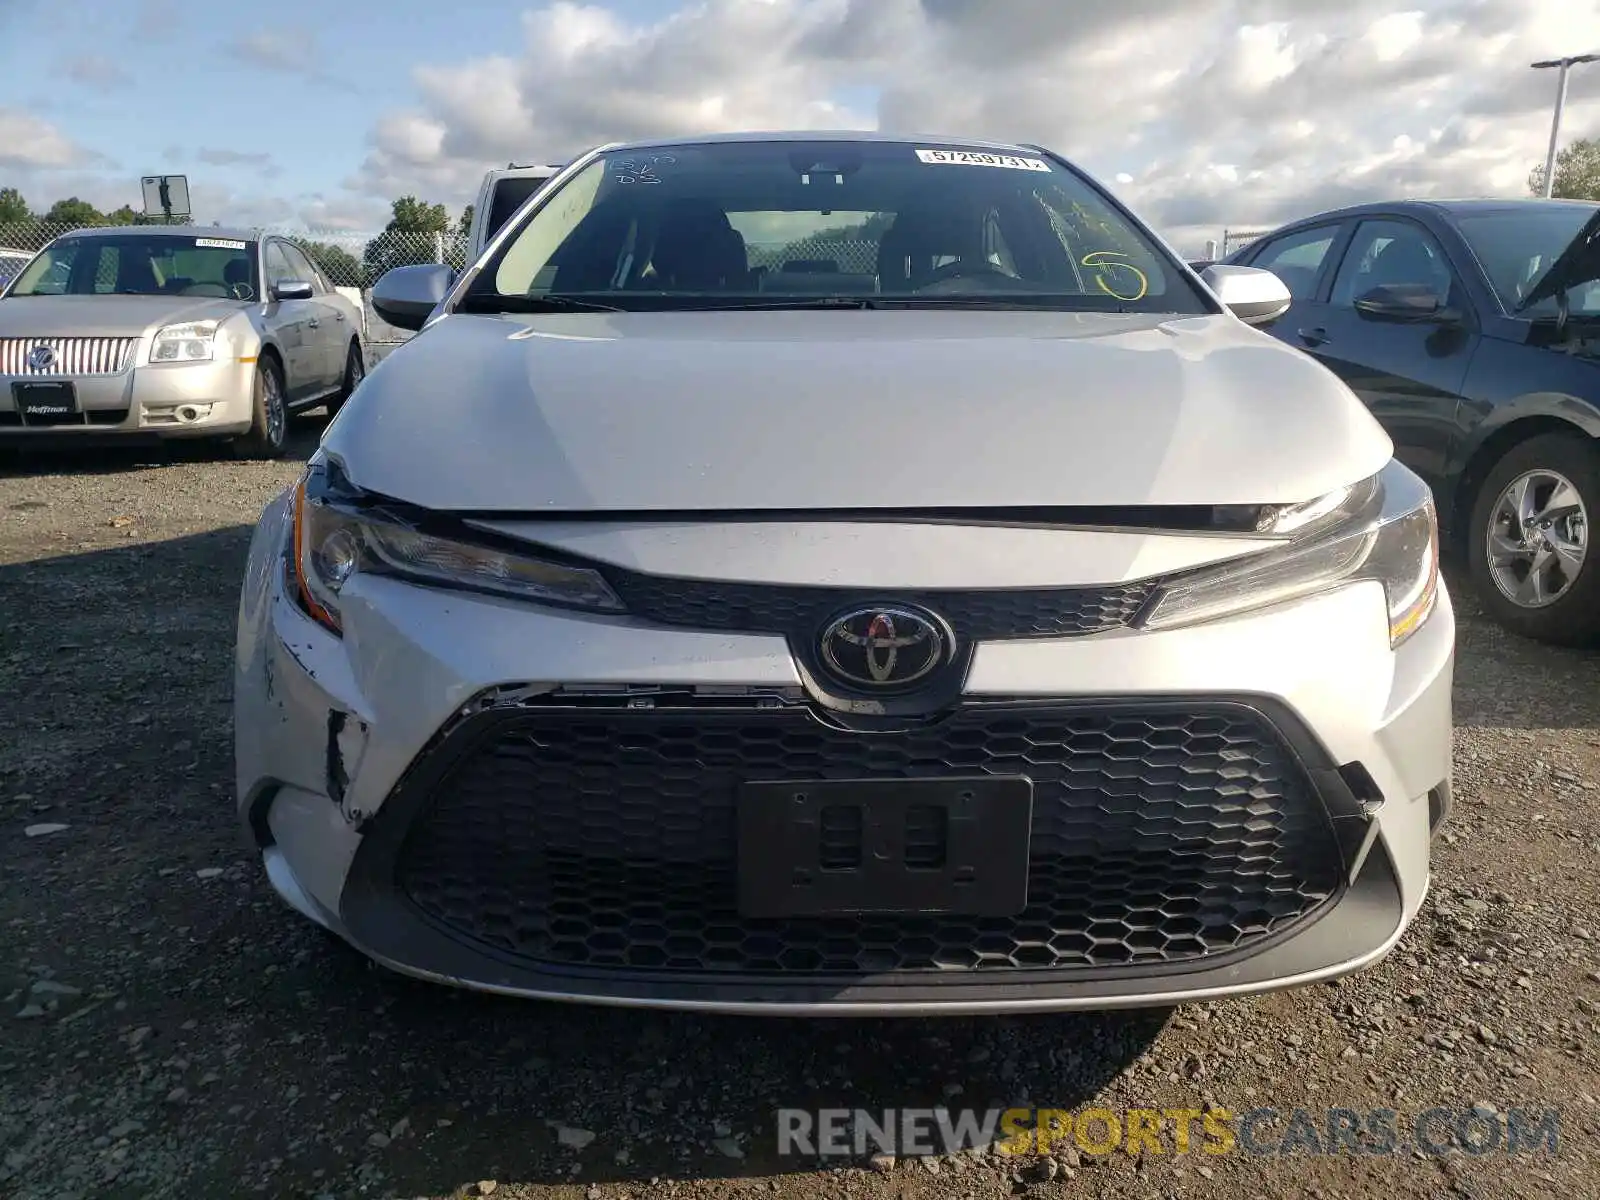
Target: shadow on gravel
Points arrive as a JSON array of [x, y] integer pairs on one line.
[[109, 456], [1505, 681]]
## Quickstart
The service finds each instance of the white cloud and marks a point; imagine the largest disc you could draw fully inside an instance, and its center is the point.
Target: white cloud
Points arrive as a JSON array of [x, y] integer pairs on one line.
[[27, 142]]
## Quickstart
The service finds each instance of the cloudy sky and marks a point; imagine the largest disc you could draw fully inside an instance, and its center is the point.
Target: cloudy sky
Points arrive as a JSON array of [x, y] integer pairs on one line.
[[1203, 114]]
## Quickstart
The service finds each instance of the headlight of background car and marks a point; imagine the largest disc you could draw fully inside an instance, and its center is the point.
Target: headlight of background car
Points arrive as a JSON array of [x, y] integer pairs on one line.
[[335, 541], [191, 342], [1383, 529]]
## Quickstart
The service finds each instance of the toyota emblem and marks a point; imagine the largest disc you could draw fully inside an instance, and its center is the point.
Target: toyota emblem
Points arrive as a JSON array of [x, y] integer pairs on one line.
[[883, 648], [41, 358]]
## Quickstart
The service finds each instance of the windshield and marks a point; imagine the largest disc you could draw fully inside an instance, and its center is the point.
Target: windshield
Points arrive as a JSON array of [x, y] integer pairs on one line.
[[1516, 248], [136, 264], [773, 222]]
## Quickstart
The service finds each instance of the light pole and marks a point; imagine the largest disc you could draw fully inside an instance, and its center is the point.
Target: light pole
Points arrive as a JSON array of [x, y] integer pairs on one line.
[[1566, 64]]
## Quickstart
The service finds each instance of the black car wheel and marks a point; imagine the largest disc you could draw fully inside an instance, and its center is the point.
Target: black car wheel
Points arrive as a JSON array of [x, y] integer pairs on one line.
[[1530, 549], [355, 370]]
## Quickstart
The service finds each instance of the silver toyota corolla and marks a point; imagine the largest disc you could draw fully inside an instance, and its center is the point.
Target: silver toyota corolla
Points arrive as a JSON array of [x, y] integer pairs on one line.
[[846, 574], [172, 331]]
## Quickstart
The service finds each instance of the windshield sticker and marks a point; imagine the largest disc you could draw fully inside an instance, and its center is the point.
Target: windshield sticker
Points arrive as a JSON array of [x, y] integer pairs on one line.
[[220, 243], [977, 158], [643, 170], [1129, 282]]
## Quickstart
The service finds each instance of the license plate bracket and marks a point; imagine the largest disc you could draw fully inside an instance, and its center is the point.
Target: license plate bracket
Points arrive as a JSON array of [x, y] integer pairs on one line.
[[46, 402], [907, 846]]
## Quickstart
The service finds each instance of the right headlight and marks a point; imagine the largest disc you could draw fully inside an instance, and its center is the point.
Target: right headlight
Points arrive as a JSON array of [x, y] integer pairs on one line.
[[338, 533], [1383, 529]]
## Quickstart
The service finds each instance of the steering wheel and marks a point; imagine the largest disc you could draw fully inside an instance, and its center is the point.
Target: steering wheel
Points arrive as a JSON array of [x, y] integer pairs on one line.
[[242, 291], [961, 269]]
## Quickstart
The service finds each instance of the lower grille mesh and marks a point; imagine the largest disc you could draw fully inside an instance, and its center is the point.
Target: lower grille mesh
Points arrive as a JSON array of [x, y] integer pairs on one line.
[[607, 839]]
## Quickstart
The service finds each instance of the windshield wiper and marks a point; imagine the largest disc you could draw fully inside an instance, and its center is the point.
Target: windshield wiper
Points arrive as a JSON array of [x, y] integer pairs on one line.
[[553, 302]]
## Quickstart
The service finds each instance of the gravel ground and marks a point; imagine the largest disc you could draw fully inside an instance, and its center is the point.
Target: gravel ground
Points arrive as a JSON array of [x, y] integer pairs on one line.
[[168, 1028]]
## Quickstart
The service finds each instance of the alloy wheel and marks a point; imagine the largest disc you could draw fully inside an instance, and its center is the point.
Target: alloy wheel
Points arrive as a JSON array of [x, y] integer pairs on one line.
[[272, 397], [1537, 539]]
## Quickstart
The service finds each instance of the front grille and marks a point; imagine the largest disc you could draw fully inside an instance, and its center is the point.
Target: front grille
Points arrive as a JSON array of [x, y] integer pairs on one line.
[[607, 839], [73, 355], [974, 615]]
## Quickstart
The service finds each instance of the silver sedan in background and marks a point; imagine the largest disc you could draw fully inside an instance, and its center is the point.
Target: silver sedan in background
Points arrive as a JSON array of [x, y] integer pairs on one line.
[[173, 331]]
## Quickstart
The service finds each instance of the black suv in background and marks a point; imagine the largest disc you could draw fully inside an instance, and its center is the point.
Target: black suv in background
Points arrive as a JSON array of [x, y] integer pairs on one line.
[[1472, 330]]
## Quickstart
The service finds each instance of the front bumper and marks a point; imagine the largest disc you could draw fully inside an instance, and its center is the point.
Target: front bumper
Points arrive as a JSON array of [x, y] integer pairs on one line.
[[351, 755], [147, 401]]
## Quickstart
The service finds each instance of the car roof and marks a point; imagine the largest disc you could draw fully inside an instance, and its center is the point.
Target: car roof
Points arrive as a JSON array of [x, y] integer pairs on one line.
[[822, 135], [184, 231], [1474, 206]]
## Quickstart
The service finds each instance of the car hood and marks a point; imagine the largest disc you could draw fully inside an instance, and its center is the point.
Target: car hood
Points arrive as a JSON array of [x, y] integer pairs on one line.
[[697, 412], [105, 316], [1578, 264]]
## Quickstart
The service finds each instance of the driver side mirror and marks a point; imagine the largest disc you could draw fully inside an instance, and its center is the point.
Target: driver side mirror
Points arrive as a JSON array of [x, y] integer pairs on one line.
[[405, 297], [291, 289], [1405, 302], [1255, 296]]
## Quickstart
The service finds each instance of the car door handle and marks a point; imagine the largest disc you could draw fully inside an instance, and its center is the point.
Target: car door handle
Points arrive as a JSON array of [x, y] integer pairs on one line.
[[1312, 337], [338, 316], [314, 323]]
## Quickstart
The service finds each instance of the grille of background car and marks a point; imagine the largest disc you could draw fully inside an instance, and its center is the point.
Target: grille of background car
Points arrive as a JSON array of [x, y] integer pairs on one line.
[[74, 355]]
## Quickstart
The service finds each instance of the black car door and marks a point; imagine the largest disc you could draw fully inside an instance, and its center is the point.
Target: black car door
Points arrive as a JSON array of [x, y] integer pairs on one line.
[[1408, 366]]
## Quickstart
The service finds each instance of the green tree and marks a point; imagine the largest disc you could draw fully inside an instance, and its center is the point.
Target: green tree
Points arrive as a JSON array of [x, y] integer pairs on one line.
[[410, 237], [418, 216], [126, 216], [338, 264], [464, 226], [74, 212], [1577, 172], [13, 208]]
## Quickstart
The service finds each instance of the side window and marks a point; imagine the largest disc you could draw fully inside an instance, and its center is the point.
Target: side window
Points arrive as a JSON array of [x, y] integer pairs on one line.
[[1297, 259], [1390, 254], [301, 266], [278, 268]]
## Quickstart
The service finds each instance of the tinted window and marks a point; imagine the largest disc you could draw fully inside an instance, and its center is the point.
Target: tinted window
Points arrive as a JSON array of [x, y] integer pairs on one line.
[[1390, 254], [509, 195], [141, 265], [845, 219], [1297, 258], [278, 268], [1517, 247], [301, 268]]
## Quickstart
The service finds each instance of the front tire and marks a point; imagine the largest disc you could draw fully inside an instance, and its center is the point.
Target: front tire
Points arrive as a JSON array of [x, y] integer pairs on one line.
[[1529, 550], [355, 370], [269, 423]]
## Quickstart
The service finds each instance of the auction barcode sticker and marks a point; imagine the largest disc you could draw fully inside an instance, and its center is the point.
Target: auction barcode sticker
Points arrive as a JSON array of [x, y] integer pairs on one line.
[[222, 243], [980, 158]]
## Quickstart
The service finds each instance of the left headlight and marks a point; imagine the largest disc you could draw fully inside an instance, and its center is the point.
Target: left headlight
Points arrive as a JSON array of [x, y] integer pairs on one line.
[[1383, 529], [190, 342], [336, 537]]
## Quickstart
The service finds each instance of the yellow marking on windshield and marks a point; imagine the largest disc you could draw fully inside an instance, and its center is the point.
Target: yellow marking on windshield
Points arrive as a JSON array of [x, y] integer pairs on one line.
[[1103, 263]]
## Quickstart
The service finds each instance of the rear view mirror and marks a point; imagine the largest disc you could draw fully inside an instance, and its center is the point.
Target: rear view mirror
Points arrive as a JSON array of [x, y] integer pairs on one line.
[[1255, 296], [291, 289], [406, 296]]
